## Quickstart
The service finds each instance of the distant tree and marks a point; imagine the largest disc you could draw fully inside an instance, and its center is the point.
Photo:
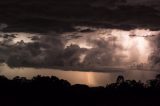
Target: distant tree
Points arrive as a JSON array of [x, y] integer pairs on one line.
[[157, 81], [120, 79], [154, 83], [2, 78]]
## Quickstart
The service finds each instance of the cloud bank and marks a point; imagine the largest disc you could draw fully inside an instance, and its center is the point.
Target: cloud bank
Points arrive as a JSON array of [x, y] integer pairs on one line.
[[78, 33], [62, 16], [94, 48]]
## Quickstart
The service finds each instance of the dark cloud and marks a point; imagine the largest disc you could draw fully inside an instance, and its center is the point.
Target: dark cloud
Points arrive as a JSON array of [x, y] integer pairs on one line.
[[62, 15], [54, 18], [104, 54], [155, 55], [50, 51]]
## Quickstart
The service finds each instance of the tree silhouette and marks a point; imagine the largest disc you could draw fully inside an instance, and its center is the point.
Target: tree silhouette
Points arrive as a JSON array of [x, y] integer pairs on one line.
[[120, 79], [52, 90]]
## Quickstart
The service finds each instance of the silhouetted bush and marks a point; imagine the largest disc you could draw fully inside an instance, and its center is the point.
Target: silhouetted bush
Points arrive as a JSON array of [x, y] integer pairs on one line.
[[45, 90]]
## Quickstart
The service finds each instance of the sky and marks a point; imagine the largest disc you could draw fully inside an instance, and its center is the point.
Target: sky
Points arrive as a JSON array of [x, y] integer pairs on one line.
[[79, 33]]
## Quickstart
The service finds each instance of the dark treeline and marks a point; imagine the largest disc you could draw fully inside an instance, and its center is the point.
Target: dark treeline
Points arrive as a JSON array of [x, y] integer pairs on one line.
[[49, 91]]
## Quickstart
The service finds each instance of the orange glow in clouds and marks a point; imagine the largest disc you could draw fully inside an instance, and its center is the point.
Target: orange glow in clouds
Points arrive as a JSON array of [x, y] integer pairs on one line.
[[135, 43]]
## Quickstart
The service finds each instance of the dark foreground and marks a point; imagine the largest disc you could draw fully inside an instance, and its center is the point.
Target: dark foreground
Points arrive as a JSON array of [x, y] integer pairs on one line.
[[51, 91]]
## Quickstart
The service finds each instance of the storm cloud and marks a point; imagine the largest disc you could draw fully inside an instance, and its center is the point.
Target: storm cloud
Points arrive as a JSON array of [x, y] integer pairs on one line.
[[99, 47], [62, 16], [155, 55], [79, 33]]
